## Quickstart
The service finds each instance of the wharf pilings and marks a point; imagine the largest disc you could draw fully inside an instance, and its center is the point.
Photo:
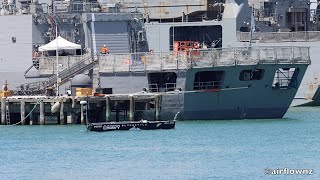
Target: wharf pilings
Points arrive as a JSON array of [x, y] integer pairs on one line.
[[28, 110]]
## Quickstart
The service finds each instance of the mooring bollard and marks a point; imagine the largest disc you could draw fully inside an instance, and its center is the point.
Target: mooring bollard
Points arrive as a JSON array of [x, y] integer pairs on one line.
[[108, 111], [131, 111], [22, 111]]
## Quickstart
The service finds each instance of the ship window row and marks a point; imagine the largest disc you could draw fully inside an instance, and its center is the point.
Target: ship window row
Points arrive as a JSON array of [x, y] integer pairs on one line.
[[284, 78]]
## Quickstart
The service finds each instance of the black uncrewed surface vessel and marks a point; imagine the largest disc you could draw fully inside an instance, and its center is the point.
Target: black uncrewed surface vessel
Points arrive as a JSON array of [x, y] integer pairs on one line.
[[127, 125]]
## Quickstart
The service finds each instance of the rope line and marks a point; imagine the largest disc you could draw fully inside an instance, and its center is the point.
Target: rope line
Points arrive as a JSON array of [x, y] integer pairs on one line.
[[34, 107]]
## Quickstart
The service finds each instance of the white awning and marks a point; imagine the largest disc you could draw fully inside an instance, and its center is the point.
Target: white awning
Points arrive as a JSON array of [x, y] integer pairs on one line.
[[61, 43]]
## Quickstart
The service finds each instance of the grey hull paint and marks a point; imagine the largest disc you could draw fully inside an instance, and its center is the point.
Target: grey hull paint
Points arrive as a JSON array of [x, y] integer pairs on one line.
[[26, 36], [255, 100], [236, 110]]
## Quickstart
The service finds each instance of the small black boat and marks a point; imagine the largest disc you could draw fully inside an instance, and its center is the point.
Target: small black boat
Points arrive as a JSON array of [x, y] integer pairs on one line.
[[127, 125]]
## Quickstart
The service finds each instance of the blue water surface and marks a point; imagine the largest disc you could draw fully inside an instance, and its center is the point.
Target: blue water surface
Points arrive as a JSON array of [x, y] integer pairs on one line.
[[239, 149]]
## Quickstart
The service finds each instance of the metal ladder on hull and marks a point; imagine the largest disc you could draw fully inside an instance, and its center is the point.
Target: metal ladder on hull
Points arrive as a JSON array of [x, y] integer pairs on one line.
[[7, 113]]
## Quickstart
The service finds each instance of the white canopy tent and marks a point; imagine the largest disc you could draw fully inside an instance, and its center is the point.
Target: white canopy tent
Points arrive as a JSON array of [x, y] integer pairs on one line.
[[59, 44], [56, 45]]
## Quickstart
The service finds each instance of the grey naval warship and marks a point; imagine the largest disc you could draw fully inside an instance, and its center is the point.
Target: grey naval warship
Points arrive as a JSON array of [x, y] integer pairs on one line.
[[222, 59]]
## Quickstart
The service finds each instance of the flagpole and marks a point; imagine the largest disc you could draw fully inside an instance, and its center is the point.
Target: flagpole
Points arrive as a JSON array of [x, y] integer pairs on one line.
[[57, 61]]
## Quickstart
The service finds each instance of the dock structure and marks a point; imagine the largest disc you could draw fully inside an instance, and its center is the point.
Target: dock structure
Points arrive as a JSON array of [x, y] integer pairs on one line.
[[42, 110]]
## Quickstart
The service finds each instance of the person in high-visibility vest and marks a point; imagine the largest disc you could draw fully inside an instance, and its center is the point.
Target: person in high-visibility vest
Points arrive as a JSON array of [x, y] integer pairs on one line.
[[104, 50]]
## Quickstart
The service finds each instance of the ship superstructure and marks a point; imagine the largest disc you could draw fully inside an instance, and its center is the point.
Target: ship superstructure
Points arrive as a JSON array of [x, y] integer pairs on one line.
[[180, 49]]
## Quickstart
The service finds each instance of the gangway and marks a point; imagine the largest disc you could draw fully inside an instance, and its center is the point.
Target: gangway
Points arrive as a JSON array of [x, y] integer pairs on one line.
[[64, 76], [77, 68]]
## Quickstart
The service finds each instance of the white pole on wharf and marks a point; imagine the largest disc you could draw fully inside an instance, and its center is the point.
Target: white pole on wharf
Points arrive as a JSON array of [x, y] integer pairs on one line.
[[57, 61]]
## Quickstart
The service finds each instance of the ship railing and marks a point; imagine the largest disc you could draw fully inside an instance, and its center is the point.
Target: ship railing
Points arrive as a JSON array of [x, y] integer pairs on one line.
[[88, 7], [160, 61], [164, 88], [73, 7], [153, 88], [142, 62], [170, 87], [48, 65], [60, 7], [257, 55], [32, 88], [300, 36]]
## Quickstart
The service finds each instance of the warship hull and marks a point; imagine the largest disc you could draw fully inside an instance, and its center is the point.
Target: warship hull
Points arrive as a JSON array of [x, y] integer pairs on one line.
[[235, 99]]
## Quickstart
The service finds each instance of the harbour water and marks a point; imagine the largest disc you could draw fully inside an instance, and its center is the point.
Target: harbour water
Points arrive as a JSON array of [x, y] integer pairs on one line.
[[240, 149]]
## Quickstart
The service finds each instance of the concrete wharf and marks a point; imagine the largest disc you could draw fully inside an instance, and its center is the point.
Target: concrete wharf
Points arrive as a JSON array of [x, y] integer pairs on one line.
[[42, 110]]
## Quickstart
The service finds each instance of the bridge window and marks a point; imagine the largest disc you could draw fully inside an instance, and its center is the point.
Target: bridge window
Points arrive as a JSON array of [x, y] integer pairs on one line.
[[286, 78], [251, 75], [208, 80]]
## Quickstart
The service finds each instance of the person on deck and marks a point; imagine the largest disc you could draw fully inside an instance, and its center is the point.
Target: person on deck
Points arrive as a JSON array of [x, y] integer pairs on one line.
[[104, 50], [36, 55]]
